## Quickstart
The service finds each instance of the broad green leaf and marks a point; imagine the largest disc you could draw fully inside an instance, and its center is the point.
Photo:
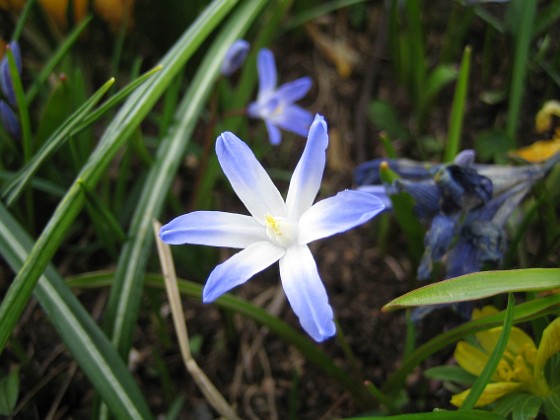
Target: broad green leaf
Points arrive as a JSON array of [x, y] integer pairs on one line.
[[9, 391], [117, 133], [453, 145], [86, 342], [386, 118], [479, 285], [523, 406], [551, 404], [438, 78]]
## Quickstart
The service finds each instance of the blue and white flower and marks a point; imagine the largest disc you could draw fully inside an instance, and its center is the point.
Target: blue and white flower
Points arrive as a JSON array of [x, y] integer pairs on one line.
[[276, 230], [235, 57], [276, 105]]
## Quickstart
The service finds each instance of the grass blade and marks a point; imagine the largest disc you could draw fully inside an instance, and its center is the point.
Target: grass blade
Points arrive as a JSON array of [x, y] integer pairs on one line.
[[125, 122], [124, 301], [62, 134], [81, 335], [480, 383]]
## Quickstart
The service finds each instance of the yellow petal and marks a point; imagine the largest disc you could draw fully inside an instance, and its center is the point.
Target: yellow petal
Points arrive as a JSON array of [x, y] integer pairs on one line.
[[487, 310], [543, 120], [548, 347], [470, 358], [490, 394], [56, 9], [539, 151]]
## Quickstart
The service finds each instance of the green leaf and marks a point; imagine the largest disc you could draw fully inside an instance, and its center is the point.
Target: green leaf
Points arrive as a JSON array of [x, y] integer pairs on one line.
[[480, 383], [83, 338], [14, 189], [124, 300], [551, 404], [527, 407], [385, 117], [450, 373], [479, 285], [9, 391]]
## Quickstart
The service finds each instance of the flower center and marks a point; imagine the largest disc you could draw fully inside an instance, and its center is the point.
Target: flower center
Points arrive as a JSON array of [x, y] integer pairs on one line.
[[280, 231]]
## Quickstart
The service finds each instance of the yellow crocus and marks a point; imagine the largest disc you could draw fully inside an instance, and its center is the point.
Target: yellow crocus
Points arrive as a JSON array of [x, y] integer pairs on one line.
[[542, 150], [114, 12], [521, 367]]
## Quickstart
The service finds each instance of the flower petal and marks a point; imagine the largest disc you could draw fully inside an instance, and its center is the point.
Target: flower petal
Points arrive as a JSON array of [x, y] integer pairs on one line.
[[490, 394], [378, 191], [266, 67], [548, 347], [213, 228], [274, 134], [294, 119], [248, 178], [337, 214], [308, 174], [240, 268], [471, 358], [306, 293], [235, 57], [295, 90]]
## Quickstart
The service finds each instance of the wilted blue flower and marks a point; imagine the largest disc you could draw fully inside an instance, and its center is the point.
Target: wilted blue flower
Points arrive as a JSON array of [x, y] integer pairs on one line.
[[6, 83], [276, 230], [235, 57], [276, 105], [9, 120]]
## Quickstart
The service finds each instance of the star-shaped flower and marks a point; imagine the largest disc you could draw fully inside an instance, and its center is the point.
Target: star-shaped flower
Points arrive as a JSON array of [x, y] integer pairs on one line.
[[276, 105], [276, 230]]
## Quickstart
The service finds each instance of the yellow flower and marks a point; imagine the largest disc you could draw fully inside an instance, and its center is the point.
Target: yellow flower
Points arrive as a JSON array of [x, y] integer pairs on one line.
[[521, 367], [112, 11], [543, 149]]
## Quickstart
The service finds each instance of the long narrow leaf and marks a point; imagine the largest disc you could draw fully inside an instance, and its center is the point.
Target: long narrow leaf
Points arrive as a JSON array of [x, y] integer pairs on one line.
[[480, 383], [125, 122], [124, 301], [81, 335], [57, 139], [311, 352], [480, 285]]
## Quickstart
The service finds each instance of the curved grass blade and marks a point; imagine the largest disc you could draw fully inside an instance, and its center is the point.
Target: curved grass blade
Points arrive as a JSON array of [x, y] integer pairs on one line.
[[81, 335], [478, 286], [55, 58], [309, 349], [57, 139], [122, 126], [124, 300], [480, 383]]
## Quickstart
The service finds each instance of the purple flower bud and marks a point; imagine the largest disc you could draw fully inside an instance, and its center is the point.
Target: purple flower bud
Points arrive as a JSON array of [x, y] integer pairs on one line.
[[6, 83], [235, 57], [9, 120]]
